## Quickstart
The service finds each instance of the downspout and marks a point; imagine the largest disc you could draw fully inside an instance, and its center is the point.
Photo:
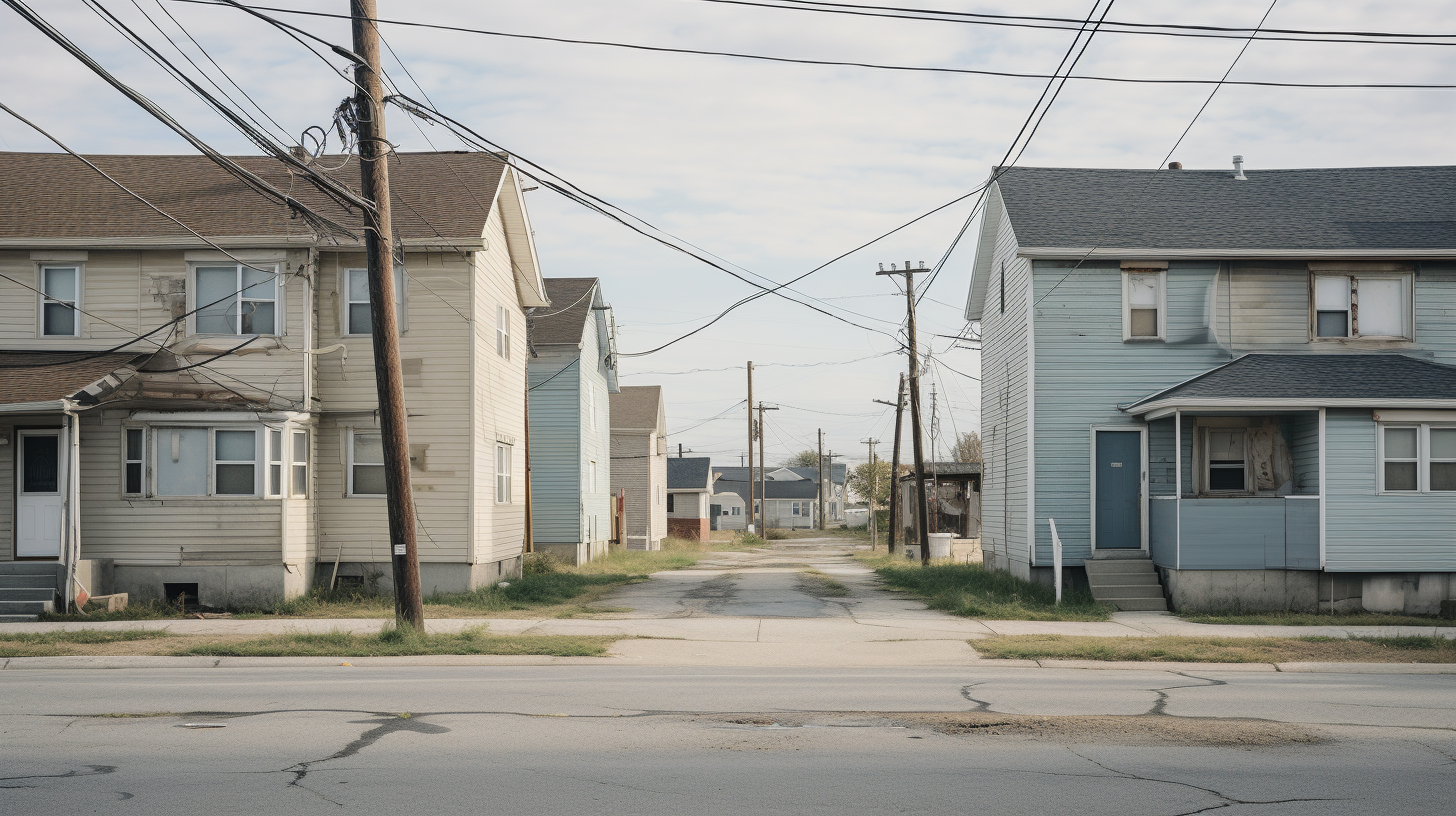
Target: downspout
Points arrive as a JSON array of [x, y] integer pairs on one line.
[[72, 504], [529, 545]]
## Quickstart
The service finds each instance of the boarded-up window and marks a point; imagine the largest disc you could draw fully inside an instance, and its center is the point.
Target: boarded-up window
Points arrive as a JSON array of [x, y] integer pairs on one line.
[[1382, 307], [1362, 306]]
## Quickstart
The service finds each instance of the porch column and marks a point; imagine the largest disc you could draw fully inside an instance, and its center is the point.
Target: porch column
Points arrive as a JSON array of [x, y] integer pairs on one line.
[[1177, 488]]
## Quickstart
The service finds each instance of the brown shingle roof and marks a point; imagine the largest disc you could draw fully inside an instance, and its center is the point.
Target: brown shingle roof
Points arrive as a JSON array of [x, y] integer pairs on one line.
[[562, 323], [55, 196], [635, 407], [43, 376]]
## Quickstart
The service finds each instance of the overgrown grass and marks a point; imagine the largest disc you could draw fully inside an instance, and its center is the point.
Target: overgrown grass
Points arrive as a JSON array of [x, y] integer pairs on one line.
[[676, 553], [401, 642], [142, 610], [544, 592], [1311, 619], [1416, 649], [816, 583], [46, 644], [972, 591]]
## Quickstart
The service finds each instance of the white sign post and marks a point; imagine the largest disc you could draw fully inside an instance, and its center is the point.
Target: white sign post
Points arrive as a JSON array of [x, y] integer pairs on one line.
[[1056, 558]]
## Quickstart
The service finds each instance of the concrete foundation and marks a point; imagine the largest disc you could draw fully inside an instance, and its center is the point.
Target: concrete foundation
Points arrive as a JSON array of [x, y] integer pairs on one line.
[[435, 579], [1414, 593], [225, 586]]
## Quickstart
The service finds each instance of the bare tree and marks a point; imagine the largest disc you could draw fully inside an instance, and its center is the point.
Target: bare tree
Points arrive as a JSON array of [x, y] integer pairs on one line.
[[804, 458], [967, 447]]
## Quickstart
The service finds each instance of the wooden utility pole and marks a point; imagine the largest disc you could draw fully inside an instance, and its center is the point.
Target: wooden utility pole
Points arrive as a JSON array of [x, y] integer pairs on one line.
[[921, 510], [748, 512], [762, 489], [384, 323], [895, 524], [821, 479], [874, 522]]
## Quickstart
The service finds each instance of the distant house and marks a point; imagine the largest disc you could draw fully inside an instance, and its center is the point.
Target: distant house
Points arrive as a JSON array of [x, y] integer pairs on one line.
[[689, 494], [792, 501], [834, 498], [639, 463], [234, 456], [726, 510], [1240, 384], [572, 371]]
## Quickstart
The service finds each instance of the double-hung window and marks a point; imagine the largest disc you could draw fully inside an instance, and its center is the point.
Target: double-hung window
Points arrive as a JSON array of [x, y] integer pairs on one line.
[[59, 301], [237, 299], [235, 462], [502, 332], [275, 462], [1417, 458], [366, 463], [1225, 453], [502, 473], [299, 465], [358, 317], [1144, 304], [1375, 306], [134, 463]]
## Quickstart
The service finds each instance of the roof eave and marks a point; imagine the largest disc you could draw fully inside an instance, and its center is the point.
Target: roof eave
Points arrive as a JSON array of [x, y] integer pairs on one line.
[[1164, 253], [228, 242], [1161, 408], [985, 250]]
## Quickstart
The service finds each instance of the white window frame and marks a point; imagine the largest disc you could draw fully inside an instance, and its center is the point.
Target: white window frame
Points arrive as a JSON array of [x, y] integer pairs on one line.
[[213, 462], [1205, 464], [502, 332], [1423, 458], [127, 461], [274, 474], [1162, 296], [349, 463], [401, 300], [43, 299], [298, 487], [1352, 314], [278, 299], [503, 473]]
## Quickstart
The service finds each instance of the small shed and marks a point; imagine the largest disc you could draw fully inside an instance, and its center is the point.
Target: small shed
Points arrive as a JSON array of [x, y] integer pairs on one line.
[[953, 496]]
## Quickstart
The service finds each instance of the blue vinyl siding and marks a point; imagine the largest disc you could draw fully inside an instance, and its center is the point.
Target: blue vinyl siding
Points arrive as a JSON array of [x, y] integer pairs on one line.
[[1085, 370], [1163, 532], [1162, 462], [1366, 531]]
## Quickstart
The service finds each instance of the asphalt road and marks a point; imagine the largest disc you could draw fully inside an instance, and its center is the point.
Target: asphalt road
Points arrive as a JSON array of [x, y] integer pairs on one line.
[[617, 740]]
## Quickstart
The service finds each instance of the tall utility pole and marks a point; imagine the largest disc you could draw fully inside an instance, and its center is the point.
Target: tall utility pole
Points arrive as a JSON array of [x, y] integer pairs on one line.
[[874, 491], [895, 524], [749, 511], [384, 323], [821, 479], [912, 349], [762, 490]]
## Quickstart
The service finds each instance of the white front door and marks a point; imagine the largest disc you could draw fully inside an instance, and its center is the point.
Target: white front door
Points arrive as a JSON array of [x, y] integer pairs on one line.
[[39, 479]]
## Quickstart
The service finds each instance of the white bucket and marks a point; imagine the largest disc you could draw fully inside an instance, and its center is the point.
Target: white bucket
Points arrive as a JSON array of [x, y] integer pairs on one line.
[[940, 544]]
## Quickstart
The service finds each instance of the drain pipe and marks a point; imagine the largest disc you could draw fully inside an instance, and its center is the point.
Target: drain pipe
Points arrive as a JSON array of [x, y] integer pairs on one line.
[[72, 506]]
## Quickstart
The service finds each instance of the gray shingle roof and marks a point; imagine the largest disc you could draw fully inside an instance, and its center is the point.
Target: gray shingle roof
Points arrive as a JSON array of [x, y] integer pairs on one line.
[[1354, 208], [1371, 377], [55, 196], [689, 473], [564, 321], [636, 407], [775, 490], [43, 376]]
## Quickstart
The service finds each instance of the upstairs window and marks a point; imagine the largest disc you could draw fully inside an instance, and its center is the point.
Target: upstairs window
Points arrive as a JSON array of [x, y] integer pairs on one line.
[[237, 299], [502, 332], [61, 297], [1144, 304], [1374, 306], [1417, 458], [358, 317], [502, 473]]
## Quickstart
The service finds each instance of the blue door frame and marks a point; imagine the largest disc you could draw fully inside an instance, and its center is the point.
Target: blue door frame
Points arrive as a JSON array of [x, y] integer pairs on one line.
[[1117, 476]]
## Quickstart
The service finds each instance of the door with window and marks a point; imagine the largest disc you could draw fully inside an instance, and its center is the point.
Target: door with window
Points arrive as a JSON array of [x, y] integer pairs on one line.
[[40, 481], [1119, 490]]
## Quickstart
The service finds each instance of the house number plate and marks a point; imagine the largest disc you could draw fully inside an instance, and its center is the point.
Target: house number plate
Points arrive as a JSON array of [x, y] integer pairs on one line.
[[1117, 464]]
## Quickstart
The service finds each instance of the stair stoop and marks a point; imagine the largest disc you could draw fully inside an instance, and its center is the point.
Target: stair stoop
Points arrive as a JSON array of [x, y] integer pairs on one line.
[[1126, 580]]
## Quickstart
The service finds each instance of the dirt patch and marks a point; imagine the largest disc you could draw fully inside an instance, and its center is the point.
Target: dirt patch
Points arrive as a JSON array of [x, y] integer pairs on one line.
[[1418, 649], [820, 585], [1145, 730]]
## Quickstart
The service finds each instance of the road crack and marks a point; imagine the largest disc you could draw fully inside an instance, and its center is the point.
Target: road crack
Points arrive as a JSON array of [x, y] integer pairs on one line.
[[1227, 800]]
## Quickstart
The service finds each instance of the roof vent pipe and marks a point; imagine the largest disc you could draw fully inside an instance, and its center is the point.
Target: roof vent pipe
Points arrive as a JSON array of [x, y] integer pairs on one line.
[[1239, 169]]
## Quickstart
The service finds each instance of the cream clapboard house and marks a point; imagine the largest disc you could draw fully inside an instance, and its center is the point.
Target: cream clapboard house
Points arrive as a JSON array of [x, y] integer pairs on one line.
[[233, 455]]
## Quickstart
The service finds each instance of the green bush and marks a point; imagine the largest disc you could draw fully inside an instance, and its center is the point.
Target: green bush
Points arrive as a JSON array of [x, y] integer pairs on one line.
[[540, 563]]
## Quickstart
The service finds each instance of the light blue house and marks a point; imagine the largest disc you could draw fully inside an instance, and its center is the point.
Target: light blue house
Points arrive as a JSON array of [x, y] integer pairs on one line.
[[572, 369], [1243, 380]]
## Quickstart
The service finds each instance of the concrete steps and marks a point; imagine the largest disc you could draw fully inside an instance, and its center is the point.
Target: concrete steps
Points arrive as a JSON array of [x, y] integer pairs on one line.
[[1129, 583], [28, 589]]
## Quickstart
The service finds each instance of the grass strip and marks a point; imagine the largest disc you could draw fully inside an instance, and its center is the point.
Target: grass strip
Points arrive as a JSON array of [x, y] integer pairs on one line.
[[972, 591], [1311, 619], [820, 585], [1412, 649], [392, 642], [50, 644]]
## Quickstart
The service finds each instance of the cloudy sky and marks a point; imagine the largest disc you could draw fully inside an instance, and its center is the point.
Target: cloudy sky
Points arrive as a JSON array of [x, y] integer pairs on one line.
[[776, 168]]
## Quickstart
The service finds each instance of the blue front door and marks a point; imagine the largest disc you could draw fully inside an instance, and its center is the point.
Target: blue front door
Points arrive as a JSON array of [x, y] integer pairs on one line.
[[1119, 477]]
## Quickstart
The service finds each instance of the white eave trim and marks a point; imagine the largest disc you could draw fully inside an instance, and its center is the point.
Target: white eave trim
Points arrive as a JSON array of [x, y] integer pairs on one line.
[[264, 241], [1079, 253], [1162, 408]]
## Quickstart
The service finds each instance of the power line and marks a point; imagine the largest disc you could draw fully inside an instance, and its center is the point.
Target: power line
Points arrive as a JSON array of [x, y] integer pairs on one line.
[[853, 64]]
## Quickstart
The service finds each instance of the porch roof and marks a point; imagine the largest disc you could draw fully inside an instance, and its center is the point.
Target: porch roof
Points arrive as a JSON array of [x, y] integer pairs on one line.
[[39, 380], [1312, 381]]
